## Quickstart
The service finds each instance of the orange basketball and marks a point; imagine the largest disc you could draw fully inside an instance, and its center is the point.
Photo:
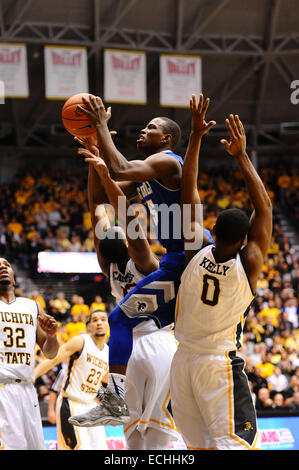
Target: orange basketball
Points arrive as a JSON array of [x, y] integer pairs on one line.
[[74, 120]]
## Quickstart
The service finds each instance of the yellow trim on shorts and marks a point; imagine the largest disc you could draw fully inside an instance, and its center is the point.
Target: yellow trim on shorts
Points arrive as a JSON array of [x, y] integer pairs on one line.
[[152, 420], [1, 440], [177, 305], [201, 448]]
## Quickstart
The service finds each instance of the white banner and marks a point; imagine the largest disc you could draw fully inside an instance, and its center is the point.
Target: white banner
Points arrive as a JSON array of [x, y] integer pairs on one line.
[[125, 76], [66, 71], [180, 77], [13, 70]]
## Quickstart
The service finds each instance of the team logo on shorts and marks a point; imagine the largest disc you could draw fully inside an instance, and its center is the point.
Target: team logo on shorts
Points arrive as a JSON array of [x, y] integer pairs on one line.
[[141, 306], [248, 426]]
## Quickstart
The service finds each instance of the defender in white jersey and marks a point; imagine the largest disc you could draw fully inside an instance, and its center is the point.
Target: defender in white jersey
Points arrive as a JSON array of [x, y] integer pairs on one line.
[[211, 399], [125, 261], [86, 370], [23, 324]]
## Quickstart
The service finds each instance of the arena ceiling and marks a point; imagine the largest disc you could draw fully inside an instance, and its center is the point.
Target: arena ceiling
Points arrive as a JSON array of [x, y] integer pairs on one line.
[[249, 50]]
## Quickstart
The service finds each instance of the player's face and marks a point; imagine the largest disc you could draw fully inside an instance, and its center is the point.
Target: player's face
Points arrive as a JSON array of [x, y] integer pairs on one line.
[[98, 325], [6, 273], [152, 137]]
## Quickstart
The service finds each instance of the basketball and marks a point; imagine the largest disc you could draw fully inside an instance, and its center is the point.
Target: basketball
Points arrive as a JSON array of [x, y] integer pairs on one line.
[[74, 120]]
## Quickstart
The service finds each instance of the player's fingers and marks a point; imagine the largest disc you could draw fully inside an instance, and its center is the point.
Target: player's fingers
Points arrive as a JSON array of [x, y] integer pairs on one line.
[[211, 124], [206, 105], [200, 103], [86, 111], [225, 143], [233, 124], [229, 129], [239, 125]]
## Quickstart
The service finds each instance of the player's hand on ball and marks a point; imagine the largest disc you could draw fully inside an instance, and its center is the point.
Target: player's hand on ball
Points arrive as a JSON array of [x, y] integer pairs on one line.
[[96, 110]]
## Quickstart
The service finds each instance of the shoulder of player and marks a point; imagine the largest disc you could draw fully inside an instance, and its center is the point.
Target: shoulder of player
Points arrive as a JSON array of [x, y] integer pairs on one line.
[[163, 158]]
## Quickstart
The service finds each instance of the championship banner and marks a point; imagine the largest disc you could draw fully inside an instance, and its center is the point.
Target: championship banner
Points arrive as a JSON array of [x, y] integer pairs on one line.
[[13, 71], [124, 76], [66, 71], [180, 77]]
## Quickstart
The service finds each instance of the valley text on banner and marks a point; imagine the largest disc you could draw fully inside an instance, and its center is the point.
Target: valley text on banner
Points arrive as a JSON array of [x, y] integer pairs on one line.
[[125, 76], [13, 70], [65, 71], [180, 77]]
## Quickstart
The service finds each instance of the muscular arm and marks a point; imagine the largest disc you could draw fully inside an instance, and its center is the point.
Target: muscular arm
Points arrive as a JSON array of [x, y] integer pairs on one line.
[[158, 166], [260, 231], [74, 345], [193, 228], [139, 249], [46, 333]]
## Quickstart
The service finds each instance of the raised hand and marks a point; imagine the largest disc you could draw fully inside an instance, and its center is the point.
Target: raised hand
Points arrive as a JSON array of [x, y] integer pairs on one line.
[[92, 156], [96, 110], [237, 144], [198, 112]]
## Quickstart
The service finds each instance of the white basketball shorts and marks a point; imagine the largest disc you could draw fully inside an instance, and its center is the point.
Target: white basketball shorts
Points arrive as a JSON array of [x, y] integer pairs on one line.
[[211, 402], [71, 437], [147, 391], [20, 419]]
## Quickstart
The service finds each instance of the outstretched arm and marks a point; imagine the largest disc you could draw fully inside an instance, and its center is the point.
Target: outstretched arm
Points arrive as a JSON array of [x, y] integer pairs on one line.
[[139, 249], [260, 231], [69, 348], [120, 169], [190, 200]]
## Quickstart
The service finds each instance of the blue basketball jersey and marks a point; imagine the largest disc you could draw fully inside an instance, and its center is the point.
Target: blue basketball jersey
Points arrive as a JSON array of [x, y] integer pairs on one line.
[[163, 207]]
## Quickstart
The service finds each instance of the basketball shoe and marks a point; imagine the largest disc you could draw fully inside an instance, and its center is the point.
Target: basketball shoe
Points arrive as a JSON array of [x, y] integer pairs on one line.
[[112, 410]]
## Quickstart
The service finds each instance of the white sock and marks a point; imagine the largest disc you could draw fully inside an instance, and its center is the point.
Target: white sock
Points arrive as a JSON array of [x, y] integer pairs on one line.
[[116, 383]]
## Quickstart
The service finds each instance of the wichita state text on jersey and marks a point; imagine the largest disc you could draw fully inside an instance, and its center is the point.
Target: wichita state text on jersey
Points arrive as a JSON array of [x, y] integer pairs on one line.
[[18, 322]]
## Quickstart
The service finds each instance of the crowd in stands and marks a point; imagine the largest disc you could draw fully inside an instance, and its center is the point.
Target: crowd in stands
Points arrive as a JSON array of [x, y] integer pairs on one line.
[[49, 212]]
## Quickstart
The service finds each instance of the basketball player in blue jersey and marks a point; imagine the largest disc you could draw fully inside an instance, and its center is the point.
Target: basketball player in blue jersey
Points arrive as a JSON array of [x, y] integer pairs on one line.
[[157, 181]]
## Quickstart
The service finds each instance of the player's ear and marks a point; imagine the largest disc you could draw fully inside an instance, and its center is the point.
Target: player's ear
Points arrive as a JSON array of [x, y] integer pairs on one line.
[[166, 139]]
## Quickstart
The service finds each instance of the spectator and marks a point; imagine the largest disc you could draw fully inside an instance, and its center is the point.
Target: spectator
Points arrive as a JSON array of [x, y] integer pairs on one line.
[[294, 404], [62, 306], [265, 366], [278, 402], [291, 390], [80, 308], [263, 400], [74, 327], [98, 304], [35, 295], [277, 382], [291, 311], [271, 314]]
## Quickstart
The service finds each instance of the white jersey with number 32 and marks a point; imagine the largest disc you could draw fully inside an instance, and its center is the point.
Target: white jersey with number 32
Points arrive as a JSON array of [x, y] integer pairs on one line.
[[212, 304], [18, 323]]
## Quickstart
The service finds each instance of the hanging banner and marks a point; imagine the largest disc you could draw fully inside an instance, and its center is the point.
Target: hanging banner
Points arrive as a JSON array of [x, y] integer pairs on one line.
[[180, 77], [124, 76], [65, 71], [13, 71]]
